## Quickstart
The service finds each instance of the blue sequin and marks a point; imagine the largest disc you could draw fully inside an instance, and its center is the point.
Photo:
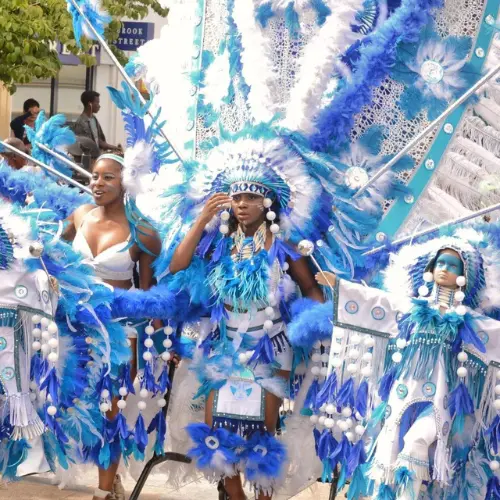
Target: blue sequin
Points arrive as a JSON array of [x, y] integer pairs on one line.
[[3, 343], [445, 402], [21, 291], [8, 373], [483, 336], [351, 307], [388, 411], [429, 389], [45, 296], [446, 428], [402, 391], [378, 313]]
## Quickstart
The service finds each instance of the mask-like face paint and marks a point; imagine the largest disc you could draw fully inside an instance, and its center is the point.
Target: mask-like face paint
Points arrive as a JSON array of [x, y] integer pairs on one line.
[[448, 267]]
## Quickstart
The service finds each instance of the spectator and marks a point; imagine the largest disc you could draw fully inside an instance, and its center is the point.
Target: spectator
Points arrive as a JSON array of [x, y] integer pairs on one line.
[[87, 124], [31, 108], [13, 159]]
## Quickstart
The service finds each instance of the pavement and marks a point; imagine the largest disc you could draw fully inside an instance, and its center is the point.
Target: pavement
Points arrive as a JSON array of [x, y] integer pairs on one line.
[[40, 488]]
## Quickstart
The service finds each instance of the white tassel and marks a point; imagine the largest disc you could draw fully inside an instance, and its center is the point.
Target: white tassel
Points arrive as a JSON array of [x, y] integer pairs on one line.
[[24, 418], [442, 470]]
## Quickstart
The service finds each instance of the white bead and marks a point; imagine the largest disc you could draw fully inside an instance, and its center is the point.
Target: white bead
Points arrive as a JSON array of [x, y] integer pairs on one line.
[[336, 362], [423, 291], [144, 393], [274, 228], [355, 339], [313, 419], [104, 407], [148, 342], [53, 357], [224, 229], [51, 410], [494, 465], [316, 357], [401, 343], [46, 335], [460, 280], [35, 319], [269, 311], [353, 354], [36, 333], [52, 328], [167, 343], [338, 333], [267, 202], [349, 422], [397, 357], [242, 357], [325, 357], [336, 348], [286, 266], [225, 215], [123, 391], [497, 390], [459, 296], [350, 436], [166, 356], [462, 357], [270, 215], [329, 423], [324, 371], [44, 322], [315, 370], [352, 368], [321, 420], [317, 344], [369, 342], [268, 324], [367, 356], [346, 412], [141, 405], [366, 371], [496, 404], [161, 403], [322, 408], [53, 342], [359, 430], [122, 404], [149, 330], [147, 356], [462, 372], [342, 425], [104, 394], [461, 310], [36, 345], [330, 409], [45, 348], [428, 277], [168, 330]]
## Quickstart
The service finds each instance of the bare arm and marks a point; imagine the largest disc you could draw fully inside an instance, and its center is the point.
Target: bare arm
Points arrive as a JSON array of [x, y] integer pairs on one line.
[[183, 254], [302, 275]]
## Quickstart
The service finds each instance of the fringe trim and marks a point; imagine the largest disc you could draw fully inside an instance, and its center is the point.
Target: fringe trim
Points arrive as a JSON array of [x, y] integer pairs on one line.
[[241, 427], [419, 467], [442, 471], [24, 418]]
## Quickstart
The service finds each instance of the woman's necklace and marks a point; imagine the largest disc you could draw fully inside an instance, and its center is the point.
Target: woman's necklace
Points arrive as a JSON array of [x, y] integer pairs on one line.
[[248, 246], [444, 296]]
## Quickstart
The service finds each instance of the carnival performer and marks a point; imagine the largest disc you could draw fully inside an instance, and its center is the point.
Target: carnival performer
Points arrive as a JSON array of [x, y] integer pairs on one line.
[[432, 417], [112, 242]]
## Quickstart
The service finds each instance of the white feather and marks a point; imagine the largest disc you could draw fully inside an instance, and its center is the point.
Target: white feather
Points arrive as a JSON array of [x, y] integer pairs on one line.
[[137, 165]]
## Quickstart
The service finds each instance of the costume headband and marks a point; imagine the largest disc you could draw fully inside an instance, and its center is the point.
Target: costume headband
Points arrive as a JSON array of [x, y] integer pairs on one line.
[[111, 156], [249, 187]]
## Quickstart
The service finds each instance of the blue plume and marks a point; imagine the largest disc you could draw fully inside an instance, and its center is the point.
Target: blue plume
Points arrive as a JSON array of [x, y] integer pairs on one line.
[[493, 432], [148, 379], [467, 334], [311, 322], [126, 380], [345, 396], [164, 381], [140, 434], [159, 424], [322, 11], [362, 398], [386, 384], [377, 415], [360, 486], [342, 452], [493, 489], [292, 21], [310, 400], [35, 368], [97, 18], [51, 385], [357, 456], [327, 392], [264, 352], [121, 428], [385, 492], [317, 437], [104, 381], [460, 405], [14, 454], [264, 13], [326, 444], [404, 479], [53, 424]]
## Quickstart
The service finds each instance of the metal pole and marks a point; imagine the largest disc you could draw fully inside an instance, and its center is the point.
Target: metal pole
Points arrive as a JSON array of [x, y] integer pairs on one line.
[[428, 129], [64, 160], [51, 170], [121, 69], [432, 229]]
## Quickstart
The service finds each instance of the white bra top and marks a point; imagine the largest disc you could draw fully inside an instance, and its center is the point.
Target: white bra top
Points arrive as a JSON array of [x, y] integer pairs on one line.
[[114, 263]]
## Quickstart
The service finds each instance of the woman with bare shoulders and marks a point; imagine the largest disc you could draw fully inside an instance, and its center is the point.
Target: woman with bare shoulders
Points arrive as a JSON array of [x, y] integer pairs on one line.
[[113, 245]]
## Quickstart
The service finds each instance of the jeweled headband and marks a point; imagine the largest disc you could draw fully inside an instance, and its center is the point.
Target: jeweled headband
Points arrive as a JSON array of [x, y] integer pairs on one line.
[[249, 187]]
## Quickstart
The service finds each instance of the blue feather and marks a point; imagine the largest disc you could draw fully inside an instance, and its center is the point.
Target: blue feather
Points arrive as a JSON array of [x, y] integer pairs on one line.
[[493, 489], [311, 322], [322, 11], [328, 390], [292, 20], [362, 398], [264, 13], [404, 480], [97, 18], [385, 492], [357, 457], [493, 432], [310, 400], [386, 384], [345, 396], [263, 353], [460, 405]]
